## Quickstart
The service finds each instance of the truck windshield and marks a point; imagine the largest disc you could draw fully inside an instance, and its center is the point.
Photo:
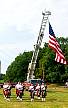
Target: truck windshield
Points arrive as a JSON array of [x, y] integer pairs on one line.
[[36, 81]]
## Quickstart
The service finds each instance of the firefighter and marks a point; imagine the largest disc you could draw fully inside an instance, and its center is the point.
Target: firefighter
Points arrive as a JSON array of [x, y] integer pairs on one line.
[[31, 90], [38, 90], [43, 91]]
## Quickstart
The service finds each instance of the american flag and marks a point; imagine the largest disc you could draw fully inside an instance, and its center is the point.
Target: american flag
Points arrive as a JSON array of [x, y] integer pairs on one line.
[[53, 43]]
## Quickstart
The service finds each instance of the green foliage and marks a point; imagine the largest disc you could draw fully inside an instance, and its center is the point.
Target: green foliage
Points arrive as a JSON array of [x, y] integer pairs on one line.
[[46, 66], [53, 71], [17, 71]]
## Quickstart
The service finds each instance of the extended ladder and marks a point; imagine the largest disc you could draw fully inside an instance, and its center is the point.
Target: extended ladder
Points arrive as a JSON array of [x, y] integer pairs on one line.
[[32, 65]]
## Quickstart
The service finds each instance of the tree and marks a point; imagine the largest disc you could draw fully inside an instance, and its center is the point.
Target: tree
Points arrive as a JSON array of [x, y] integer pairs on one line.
[[17, 70], [53, 71], [45, 66]]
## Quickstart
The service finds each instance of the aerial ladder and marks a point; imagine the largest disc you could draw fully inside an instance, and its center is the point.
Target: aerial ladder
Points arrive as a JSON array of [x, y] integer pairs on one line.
[[32, 64]]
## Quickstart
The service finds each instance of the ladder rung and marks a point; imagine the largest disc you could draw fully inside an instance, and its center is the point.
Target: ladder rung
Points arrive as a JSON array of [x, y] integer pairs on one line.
[[44, 21], [44, 25], [45, 18]]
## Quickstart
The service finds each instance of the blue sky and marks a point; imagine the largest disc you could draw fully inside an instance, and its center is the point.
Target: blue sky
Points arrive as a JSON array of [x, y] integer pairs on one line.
[[20, 23]]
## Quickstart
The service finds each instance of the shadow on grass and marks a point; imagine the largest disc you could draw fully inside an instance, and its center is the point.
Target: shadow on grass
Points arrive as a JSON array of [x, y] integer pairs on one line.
[[28, 99]]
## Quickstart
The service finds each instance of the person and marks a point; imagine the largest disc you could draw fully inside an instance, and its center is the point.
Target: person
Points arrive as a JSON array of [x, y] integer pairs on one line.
[[19, 90], [43, 91], [31, 90], [17, 87], [38, 90], [66, 84], [7, 91]]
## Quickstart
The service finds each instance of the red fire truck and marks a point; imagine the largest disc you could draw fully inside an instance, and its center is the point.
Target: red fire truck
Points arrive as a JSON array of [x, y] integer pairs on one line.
[[32, 81]]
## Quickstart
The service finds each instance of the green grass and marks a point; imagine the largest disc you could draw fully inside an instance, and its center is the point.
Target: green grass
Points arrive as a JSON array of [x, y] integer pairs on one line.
[[57, 97]]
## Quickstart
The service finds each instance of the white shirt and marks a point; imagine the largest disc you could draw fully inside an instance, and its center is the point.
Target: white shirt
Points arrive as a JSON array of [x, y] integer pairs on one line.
[[5, 86], [42, 87], [31, 88], [37, 87], [19, 87]]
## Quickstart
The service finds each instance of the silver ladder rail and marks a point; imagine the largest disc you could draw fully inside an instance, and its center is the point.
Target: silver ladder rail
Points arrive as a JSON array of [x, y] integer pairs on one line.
[[32, 65]]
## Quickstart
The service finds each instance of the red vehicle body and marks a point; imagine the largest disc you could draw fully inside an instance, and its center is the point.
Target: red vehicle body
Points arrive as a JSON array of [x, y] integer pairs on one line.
[[33, 81], [26, 85]]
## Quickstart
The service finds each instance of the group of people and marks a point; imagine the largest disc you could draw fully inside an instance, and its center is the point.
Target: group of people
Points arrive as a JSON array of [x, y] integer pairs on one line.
[[39, 91], [7, 91]]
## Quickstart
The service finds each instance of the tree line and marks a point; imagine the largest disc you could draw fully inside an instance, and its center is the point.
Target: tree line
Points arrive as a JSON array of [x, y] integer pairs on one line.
[[46, 68]]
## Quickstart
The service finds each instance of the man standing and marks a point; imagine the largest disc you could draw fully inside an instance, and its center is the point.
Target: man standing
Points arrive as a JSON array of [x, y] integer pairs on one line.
[[19, 90], [7, 91], [31, 90], [43, 91], [38, 90]]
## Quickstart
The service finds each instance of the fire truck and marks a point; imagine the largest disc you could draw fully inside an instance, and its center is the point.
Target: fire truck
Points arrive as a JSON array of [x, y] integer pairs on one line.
[[32, 64], [32, 81]]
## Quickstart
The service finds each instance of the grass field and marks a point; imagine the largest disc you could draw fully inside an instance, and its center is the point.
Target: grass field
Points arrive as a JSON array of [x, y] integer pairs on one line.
[[57, 97]]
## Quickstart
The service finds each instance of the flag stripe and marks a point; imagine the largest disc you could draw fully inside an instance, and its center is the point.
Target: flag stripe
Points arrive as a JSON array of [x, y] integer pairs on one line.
[[55, 46], [53, 43]]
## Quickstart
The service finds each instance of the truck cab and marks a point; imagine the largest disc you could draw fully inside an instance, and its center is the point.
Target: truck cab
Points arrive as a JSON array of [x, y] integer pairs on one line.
[[36, 81], [32, 81]]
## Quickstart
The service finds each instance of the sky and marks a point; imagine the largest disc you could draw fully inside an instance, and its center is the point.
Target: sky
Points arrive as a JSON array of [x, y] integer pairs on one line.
[[20, 22]]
